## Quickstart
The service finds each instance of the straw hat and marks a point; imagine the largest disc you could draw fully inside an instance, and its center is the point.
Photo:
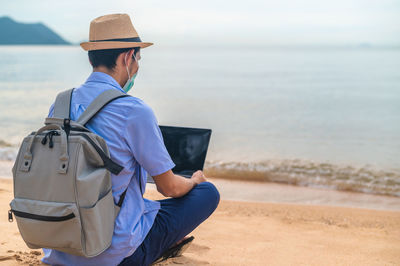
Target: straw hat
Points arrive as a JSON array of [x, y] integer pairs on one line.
[[112, 32]]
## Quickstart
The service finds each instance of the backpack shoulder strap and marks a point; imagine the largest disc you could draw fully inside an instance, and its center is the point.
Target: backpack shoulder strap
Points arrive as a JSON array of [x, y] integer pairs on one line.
[[99, 103], [62, 106]]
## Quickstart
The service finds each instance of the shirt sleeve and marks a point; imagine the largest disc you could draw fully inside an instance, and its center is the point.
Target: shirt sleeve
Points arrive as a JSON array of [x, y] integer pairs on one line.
[[145, 141], [51, 110]]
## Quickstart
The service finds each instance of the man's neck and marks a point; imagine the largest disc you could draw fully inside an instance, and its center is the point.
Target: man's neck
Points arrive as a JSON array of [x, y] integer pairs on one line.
[[113, 74]]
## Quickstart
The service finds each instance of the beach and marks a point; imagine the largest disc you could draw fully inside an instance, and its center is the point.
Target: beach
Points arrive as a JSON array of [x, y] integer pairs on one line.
[[249, 232]]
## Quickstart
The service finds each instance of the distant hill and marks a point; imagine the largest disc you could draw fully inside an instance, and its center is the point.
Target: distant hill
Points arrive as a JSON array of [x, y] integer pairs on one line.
[[12, 32]]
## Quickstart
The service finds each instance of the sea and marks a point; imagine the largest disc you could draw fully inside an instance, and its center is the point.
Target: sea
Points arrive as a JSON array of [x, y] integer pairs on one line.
[[325, 117]]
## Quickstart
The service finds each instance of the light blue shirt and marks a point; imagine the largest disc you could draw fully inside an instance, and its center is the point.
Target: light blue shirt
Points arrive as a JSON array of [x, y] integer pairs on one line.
[[131, 131]]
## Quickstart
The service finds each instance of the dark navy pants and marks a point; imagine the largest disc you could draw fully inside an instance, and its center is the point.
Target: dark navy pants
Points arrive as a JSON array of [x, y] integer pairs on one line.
[[176, 219]]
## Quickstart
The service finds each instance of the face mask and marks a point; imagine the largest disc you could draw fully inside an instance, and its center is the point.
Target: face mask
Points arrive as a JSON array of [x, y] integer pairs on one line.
[[131, 80]]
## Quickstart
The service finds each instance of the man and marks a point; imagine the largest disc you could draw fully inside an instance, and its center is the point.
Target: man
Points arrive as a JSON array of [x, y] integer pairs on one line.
[[144, 230]]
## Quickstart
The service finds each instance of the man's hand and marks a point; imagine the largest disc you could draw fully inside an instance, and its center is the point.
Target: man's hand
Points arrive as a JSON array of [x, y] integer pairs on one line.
[[171, 185], [199, 177]]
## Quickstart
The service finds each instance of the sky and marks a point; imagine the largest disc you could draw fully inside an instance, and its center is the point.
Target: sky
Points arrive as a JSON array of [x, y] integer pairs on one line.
[[226, 22]]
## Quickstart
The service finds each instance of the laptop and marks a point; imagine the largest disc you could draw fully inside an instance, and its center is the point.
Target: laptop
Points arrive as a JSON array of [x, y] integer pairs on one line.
[[187, 148]]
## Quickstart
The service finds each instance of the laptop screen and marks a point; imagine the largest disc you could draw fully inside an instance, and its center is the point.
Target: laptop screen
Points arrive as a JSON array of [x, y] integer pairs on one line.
[[187, 148]]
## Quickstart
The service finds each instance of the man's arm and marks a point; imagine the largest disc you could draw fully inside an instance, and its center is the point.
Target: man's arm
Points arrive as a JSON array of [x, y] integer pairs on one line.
[[175, 186]]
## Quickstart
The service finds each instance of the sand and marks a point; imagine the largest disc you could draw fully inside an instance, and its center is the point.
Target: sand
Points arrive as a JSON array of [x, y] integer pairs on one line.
[[261, 233]]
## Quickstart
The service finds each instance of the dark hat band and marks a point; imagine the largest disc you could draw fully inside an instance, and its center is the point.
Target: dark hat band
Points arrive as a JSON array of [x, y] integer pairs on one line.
[[134, 39]]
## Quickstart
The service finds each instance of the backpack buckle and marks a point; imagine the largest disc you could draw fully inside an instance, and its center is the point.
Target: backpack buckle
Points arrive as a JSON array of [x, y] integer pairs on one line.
[[67, 126]]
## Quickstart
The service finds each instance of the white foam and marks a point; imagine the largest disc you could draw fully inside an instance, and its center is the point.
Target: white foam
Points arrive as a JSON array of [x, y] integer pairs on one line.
[[308, 173], [8, 153]]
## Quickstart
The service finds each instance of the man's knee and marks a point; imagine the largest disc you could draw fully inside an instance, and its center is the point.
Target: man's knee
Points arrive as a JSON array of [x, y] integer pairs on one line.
[[210, 192]]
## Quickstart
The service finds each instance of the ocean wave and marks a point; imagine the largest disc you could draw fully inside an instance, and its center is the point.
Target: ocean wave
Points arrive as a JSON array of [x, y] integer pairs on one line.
[[8, 152], [298, 172], [307, 173], [5, 144]]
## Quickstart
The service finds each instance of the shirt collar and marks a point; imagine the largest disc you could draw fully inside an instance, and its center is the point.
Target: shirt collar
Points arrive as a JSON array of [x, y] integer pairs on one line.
[[104, 78]]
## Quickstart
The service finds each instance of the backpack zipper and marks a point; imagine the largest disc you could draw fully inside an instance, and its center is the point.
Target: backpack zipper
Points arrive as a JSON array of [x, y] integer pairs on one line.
[[49, 135], [39, 217]]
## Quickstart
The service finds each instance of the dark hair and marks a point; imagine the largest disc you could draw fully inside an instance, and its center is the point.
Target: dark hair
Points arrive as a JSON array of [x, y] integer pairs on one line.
[[108, 57]]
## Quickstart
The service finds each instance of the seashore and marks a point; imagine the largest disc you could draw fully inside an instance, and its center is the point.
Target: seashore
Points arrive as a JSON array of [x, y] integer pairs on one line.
[[251, 232]]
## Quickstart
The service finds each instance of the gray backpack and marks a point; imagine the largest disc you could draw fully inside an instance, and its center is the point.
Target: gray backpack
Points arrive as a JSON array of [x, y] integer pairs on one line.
[[62, 184]]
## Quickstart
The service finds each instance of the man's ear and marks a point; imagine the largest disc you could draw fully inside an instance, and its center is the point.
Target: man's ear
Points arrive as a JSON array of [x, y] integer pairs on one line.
[[121, 58], [129, 57]]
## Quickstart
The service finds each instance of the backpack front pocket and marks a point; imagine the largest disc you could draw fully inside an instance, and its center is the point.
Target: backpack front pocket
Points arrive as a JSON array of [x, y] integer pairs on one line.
[[44, 224], [98, 225]]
